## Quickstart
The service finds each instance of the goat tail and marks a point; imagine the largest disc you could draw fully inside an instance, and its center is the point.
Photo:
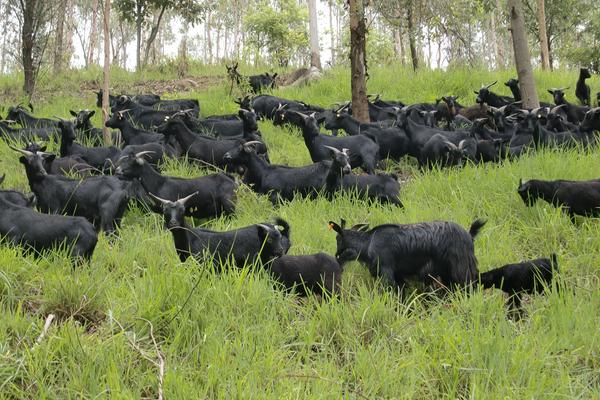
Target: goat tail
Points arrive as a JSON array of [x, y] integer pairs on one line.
[[285, 226], [554, 261], [476, 227]]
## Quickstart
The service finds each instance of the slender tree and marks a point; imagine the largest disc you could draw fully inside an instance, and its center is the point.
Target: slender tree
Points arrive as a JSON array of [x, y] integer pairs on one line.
[[105, 91], [541, 16], [522, 56], [315, 58], [358, 60]]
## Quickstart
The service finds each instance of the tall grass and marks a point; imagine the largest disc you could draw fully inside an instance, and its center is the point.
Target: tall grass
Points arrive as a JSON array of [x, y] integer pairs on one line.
[[235, 335]]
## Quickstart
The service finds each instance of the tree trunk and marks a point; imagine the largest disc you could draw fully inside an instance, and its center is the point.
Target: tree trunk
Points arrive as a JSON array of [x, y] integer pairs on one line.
[[4, 16], [27, 43], [398, 43], [412, 36], [331, 35], [105, 89], [138, 37], [59, 51], [500, 51], [358, 32], [315, 56], [93, 34], [153, 34], [541, 17], [522, 57]]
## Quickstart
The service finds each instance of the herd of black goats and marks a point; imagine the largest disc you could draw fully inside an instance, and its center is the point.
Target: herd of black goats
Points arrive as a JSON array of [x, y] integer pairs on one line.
[[439, 254]]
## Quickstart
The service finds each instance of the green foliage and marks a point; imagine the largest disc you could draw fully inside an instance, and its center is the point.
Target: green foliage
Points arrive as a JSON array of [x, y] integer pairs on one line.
[[278, 27], [239, 336]]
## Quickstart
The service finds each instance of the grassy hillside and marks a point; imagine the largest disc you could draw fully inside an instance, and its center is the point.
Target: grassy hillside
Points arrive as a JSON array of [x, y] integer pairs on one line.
[[234, 336]]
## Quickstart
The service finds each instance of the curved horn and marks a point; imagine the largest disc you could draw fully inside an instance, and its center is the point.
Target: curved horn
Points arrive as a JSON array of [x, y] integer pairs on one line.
[[554, 110], [345, 151], [185, 199], [331, 148], [491, 84], [253, 142], [25, 152], [159, 199], [265, 227], [143, 153]]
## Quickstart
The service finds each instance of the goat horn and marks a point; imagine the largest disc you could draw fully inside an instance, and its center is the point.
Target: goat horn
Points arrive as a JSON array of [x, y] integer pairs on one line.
[[10, 121], [143, 153], [331, 148], [159, 199], [554, 110], [25, 152], [452, 145], [253, 142], [265, 227], [345, 151], [491, 84], [185, 199]]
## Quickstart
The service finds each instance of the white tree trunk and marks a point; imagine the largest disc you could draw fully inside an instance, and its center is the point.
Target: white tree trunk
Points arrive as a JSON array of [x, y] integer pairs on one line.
[[315, 57]]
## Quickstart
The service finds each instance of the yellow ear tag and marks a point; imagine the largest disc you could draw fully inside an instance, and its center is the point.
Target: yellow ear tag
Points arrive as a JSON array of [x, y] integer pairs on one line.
[[330, 226]]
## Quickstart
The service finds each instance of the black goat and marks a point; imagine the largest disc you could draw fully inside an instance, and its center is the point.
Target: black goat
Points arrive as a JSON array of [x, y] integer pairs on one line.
[[393, 142], [262, 81], [265, 105], [201, 148], [129, 133], [61, 166], [364, 149], [582, 90], [38, 232], [513, 85], [591, 120], [249, 244], [575, 113], [94, 156], [83, 126], [143, 99], [215, 193], [278, 181], [102, 200], [440, 250], [23, 117], [577, 197], [485, 95], [527, 277], [379, 187], [319, 273], [16, 197]]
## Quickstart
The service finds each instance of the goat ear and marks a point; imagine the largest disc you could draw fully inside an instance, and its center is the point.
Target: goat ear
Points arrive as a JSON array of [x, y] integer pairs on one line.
[[343, 223], [335, 227], [49, 157], [91, 114], [73, 113], [475, 91], [551, 92], [520, 182]]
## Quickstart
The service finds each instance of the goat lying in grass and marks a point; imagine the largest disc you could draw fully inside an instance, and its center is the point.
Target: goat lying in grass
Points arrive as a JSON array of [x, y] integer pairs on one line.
[[319, 273], [577, 197], [443, 250], [527, 277]]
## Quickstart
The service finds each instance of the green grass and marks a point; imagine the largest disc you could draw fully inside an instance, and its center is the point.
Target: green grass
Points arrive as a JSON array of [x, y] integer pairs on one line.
[[239, 337]]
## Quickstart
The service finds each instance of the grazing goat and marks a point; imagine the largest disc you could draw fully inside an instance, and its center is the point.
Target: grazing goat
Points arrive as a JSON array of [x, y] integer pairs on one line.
[[23, 117], [62, 165], [528, 277], [215, 193], [379, 187], [16, 197], [260, 241], [364, 148], [38, 232], [319, 273], [582, 90], [442, 250], [102, 200], [577, 197]]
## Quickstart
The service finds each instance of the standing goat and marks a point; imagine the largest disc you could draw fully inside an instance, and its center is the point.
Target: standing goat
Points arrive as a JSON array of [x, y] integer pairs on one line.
[[441, 250]]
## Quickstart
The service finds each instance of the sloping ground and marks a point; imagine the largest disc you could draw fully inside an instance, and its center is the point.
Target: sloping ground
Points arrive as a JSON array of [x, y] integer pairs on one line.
[[160, 87], [136, 309]]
